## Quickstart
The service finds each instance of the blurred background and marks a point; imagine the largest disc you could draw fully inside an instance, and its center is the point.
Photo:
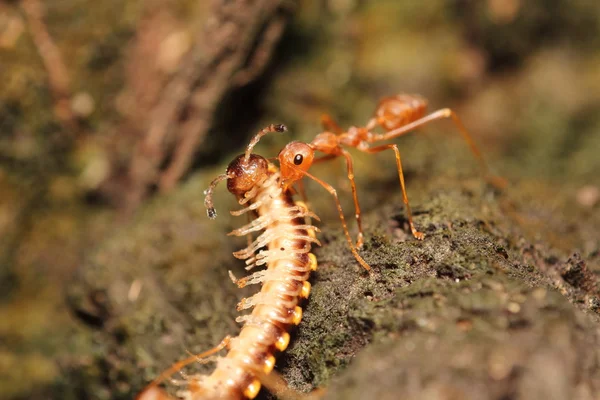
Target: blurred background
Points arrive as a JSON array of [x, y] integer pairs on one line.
[[108, 109]]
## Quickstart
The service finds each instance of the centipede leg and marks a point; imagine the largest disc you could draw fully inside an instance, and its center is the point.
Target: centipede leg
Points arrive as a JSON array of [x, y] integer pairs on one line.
[[152, 388], [444, 113], [277, 385], [249, 238], [154, 393], [416, 234]]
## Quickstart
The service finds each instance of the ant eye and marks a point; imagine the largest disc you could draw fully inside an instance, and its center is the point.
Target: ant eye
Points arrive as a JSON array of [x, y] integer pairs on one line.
[[298, 159]]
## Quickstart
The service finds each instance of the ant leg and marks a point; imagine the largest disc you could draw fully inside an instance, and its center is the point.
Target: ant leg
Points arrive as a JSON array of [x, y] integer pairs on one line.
[[496, 181], [300, 186], [333, 192], [301, 182], [152, 386], [366, 149], [350, 168], [329, 124]]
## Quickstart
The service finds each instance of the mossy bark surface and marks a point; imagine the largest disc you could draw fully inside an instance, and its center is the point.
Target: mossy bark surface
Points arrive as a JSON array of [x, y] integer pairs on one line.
[[476, 310]]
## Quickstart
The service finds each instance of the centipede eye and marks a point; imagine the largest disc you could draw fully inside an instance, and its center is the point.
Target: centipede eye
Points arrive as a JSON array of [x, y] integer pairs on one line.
[[298, 159]]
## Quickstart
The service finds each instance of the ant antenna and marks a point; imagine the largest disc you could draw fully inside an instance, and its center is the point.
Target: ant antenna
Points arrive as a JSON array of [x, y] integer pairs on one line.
[[208, 202], [263, 132]]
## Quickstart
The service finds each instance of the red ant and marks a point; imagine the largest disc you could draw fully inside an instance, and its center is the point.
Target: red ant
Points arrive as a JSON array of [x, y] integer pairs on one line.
[[397, 116]]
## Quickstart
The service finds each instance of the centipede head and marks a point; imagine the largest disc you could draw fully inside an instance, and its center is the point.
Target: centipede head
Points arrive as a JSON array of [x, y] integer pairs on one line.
[[242, 174], [294, 159]]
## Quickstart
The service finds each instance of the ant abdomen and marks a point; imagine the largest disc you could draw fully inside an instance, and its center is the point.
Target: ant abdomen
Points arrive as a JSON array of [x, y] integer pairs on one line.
[[394, 112]]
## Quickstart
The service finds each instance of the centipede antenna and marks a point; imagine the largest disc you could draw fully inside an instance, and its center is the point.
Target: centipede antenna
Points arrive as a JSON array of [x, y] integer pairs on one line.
[[208, 201], [263, 132]]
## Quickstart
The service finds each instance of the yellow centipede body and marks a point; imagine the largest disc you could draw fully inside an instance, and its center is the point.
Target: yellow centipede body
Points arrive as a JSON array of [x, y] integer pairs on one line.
[[283, 246]]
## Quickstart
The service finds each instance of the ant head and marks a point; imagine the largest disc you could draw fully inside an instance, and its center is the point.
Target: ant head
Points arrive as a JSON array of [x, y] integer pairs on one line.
[[243, 175], [295, 158]]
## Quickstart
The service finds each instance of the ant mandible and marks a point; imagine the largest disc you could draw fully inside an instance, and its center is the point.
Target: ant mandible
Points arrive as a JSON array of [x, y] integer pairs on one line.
[[396, 115]]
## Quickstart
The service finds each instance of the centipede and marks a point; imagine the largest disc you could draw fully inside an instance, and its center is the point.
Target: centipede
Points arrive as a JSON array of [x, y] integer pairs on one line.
[[284, 246]]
